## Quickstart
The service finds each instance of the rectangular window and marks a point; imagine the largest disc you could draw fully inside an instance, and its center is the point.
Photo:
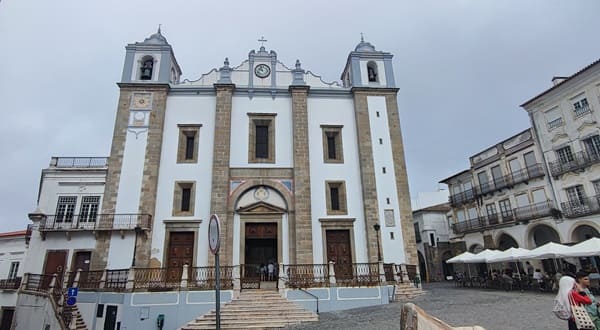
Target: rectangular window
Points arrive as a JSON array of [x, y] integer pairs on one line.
[[432, 239], [592, 146], [484, 184], [581, 107], [553, 118], [88, 212], [332, 144], [529, 159], [417, 233], [596, 187], [14, 269], [576, 195], [505, 209], [498, 177], [187, 151], [65, 209], [336, 197], [491, 209], [564, 155], [522, 200], [539, 196], [261, 146], [183, 200]]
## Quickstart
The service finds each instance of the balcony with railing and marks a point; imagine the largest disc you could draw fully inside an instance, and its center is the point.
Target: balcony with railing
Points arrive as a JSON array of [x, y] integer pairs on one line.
[[582, 207], [580, 111], [10, 283], [79, 162], [579, 160], [463, 197], [77, 222]]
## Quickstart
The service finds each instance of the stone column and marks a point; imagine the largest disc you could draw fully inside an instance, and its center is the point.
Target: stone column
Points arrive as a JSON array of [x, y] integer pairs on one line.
[[184, 277], [332, 281], [406, 219], [367, 173], [220, 174], [301, 232]]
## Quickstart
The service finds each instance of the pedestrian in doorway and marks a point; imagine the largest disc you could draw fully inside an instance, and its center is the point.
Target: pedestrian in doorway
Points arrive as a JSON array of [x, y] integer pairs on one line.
[[271, 270], [263, 272], [583, 280]]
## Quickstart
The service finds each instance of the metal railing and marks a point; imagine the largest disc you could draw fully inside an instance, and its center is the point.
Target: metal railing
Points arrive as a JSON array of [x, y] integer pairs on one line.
[[555, 123], [583, 206], [533, 211], [307, 275], [463, 197], [389, 270], [39, 282], [68, 222], [157, 279], [582, 111], [90, 279], [579, 160], [79, 162], [357, 274], [10, 283], [116, 279], [204, 278]]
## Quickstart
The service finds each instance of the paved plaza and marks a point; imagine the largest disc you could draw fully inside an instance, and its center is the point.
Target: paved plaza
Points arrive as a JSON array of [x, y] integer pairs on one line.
[[491, 309]]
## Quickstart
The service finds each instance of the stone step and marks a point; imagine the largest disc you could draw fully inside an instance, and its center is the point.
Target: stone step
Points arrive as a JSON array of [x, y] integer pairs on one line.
[[241, 324], [301, 312], [306, 317]]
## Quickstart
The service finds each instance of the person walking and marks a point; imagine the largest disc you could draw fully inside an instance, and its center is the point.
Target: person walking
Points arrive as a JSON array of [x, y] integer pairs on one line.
[[582, 278], [569, 290], [271, 270]]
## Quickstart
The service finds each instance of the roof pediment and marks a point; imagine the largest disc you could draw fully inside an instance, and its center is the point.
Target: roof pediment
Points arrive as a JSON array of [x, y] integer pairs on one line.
[[260, 208]]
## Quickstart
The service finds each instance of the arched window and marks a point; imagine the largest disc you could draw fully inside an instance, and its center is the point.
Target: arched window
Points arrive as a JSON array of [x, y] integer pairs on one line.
[[372, 72], [146, 68]]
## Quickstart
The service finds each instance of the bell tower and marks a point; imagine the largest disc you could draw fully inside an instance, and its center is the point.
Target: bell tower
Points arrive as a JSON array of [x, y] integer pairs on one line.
[[388, 216], [150, 61]]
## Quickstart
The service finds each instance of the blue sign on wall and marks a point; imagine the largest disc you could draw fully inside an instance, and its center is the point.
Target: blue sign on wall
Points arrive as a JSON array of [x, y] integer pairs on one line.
[[72, 292], [71, 301]]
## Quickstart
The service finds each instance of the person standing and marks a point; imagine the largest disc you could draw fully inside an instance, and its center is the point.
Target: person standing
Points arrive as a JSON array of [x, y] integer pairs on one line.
[[569, 290], [271, 270], [583, 280], [529, 268]]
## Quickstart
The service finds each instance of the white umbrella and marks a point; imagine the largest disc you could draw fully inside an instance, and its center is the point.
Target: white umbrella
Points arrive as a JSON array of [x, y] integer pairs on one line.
[[460, 259], [547, 251], [512, 254], [588, 248], [482, 257]]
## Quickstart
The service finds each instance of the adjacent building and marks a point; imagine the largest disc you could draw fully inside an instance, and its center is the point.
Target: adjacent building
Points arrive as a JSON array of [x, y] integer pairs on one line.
[[432, 235], [540, 185], [13, 251]]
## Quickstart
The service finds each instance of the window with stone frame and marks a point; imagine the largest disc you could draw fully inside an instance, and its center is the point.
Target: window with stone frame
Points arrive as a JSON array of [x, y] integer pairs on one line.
[[332, 144], [417, 233], [14, 270], [596, 185], [581, 107], [187, 149], [261, 146], [183, 198], [88, 211], [336, 197], [564, 155], [592, 146], [576, 195], [505, 210], [65, 208], [492, 214]]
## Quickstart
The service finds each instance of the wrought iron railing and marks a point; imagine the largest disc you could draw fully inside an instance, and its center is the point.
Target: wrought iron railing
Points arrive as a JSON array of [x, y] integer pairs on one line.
[[583, 206], [96, 222], [157, 279], [533, 211], [555, 123], [79, 162], [39, 282], [582, 111], [357, 274], [204, 278], [90, 279], [389, 270], [307, 275], [463, 197], [578, 160], [10, 283]]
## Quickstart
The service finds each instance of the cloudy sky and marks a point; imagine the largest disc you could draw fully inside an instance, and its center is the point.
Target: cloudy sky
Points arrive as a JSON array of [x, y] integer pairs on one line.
[[463, 68]]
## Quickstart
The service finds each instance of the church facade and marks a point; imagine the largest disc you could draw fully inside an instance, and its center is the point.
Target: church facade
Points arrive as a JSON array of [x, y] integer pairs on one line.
[[299, 170]]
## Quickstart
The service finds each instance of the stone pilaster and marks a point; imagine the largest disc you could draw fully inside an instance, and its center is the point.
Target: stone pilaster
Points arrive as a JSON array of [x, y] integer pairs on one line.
[[406, 219], [99, 258], [220, 172], [303, 220], [367, 172]]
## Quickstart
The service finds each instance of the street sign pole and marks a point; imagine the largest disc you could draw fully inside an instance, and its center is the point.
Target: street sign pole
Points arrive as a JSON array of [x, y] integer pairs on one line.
[[214, 243], [218, 290]]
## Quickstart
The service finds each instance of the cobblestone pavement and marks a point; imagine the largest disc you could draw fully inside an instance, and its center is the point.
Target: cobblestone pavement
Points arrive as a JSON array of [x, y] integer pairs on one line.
[[493, 310]]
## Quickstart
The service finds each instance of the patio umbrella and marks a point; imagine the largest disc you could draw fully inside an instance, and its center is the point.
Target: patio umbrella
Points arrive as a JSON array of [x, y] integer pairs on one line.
[[512, 254], [547, 251], [461, 259], [588, 248], [483, 256]]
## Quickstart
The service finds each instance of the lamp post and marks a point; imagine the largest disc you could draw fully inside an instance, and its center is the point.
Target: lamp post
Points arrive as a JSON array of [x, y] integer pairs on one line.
[[377, 227], [137, 230]]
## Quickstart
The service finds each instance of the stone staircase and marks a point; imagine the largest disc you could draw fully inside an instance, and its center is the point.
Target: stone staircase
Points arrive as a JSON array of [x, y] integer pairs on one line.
[[255, 309], [407, 291], [77, 322]]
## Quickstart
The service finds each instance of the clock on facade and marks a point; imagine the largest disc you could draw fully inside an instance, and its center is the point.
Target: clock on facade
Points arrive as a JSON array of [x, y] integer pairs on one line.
[[262, 70], [142, 100]]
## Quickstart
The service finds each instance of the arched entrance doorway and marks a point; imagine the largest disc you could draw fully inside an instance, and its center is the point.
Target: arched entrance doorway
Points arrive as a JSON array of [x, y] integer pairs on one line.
[[260, 221], [422, 266], [506, 241], [540, 235], [447, 268], [580, 234]]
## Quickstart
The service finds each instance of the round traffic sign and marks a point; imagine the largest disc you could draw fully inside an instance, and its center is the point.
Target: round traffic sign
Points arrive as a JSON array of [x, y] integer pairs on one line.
[[71, 301], [214, 239]]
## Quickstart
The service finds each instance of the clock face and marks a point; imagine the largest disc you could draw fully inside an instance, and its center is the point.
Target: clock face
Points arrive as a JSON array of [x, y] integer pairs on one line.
[[262, 70], [142, 100]]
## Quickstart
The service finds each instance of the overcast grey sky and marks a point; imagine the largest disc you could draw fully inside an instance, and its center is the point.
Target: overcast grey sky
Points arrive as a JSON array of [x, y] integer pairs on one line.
[[463, 68]]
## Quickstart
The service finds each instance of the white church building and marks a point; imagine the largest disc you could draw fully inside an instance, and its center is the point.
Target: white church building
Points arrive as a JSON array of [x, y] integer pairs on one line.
[[300, 171]]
